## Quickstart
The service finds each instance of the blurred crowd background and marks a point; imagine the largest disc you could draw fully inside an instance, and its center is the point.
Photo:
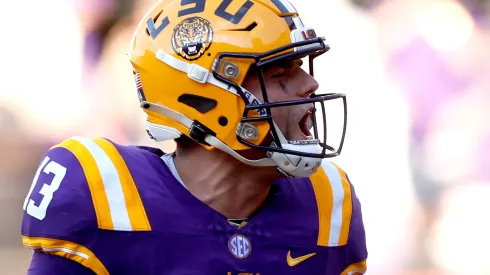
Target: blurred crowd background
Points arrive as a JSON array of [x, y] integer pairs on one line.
[[417, 78]]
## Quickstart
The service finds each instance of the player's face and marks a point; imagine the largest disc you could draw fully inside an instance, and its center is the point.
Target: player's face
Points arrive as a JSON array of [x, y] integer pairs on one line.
[[284, 82]]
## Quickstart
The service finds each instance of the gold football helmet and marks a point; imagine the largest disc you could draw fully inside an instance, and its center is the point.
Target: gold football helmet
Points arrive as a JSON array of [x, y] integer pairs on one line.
[[190, 58]]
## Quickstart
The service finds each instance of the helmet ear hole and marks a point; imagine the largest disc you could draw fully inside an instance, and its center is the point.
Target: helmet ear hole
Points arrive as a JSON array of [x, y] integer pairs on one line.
[[223, 121], [201, 104]]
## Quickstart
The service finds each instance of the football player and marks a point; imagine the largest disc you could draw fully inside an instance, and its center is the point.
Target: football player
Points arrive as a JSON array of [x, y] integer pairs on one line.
[[245, 192]]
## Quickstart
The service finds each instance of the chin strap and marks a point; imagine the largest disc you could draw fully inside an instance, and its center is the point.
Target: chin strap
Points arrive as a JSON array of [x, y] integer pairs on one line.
[[290, 165], [160, 133]]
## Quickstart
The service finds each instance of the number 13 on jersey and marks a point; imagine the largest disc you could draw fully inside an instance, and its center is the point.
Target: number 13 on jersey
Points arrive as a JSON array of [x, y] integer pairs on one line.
[[47, 190]]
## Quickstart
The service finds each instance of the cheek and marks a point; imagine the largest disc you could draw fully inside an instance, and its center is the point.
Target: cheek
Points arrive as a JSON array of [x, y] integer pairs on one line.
[[282, 117], [252, 84], [276, 94], [273, 89]]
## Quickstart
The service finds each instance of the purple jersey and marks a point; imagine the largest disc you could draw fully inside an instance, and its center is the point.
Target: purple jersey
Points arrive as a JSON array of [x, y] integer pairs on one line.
[[119, 210]]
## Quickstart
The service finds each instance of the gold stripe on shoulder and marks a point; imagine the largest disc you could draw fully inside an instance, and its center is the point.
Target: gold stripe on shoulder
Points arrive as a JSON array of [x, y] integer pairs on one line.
[[346, 206], [136, 211], [69, 250], [324, 201], [94, 179]]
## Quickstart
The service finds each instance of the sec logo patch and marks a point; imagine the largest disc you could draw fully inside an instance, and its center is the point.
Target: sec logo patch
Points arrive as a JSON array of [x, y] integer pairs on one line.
[[239, 246]]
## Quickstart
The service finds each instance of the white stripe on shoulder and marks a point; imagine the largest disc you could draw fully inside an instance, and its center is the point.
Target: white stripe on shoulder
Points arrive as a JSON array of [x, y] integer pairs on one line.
[[69, 251], [112, 184], [338, 198]]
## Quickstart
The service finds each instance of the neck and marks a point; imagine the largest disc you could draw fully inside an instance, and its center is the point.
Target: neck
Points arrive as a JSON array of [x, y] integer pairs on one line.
[[230, 187]]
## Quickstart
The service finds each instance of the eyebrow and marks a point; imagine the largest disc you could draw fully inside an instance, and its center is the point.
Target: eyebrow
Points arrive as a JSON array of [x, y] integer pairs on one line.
[[288, 63]]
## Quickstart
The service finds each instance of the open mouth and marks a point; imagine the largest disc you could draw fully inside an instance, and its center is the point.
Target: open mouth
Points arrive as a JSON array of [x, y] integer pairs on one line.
[[305, 124]]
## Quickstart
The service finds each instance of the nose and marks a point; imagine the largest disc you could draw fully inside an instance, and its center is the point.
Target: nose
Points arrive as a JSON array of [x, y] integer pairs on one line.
[[308, 85]]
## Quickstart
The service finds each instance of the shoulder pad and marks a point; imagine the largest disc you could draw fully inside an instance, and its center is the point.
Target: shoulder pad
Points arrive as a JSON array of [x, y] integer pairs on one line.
[[81, 185], [334, 201], [81, 178]]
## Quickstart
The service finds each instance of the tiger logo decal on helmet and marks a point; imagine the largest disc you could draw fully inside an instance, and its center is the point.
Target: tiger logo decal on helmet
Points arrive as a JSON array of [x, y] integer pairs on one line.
[[192, 37]]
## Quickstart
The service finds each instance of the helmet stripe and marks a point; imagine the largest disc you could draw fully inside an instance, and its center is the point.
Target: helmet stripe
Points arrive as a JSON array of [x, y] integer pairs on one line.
[[284, 6]]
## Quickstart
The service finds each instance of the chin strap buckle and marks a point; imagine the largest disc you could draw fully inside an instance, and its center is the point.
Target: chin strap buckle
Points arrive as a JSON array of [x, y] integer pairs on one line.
[[198, 132]]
